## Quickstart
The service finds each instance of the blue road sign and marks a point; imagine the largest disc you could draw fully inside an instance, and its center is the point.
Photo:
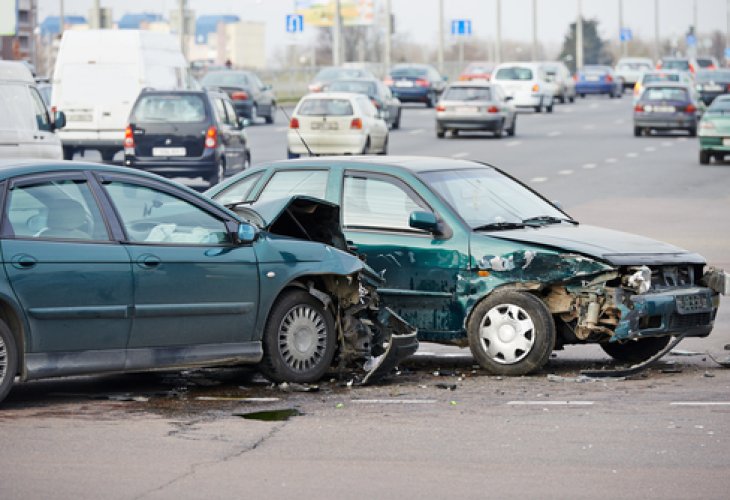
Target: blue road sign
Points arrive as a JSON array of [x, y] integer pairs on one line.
[[727, 52], [461, 27], [294, 23], [691, 41], [626, 35]]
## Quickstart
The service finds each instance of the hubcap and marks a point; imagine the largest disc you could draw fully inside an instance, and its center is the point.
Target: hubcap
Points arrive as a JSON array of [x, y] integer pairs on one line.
[[302, 338], [3, 360], [507, 334]]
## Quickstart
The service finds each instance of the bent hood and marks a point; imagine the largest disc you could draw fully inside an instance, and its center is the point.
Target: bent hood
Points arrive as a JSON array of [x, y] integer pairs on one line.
[[615, 247]]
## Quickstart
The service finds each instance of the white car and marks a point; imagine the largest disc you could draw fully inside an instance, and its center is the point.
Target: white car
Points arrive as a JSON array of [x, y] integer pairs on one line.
[[630, 69], [562, 83], [661, 75], [336, 123], [527, 84]]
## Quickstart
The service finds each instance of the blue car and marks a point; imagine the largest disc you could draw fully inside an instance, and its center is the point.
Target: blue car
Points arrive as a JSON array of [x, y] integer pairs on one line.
[[597, 80], [416, 83]]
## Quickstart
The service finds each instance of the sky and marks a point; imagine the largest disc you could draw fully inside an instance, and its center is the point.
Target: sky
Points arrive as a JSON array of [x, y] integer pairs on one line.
[[418, 19]]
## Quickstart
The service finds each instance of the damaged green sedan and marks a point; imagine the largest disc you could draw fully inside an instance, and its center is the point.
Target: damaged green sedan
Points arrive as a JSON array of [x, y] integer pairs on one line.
[[473, 257]]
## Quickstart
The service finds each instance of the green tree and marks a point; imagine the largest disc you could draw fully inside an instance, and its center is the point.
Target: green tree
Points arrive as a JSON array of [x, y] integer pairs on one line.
[[595, 50]]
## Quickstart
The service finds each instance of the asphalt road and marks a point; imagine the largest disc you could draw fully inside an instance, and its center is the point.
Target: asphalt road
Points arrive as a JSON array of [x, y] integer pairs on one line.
[[441, 428]]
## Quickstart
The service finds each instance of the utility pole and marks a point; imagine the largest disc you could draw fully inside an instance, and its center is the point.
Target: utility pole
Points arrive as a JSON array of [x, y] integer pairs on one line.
[[498, 39], [579, 38], [624, 43], [62, 17], [96, 15], [388, 34], [182, 9], [440, 55], [534, 30], [337, 36], [657, 49], [727, 33]]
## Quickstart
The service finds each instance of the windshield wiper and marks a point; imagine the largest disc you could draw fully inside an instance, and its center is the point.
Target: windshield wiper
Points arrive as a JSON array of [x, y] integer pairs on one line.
[[548, 219], [501, 225]]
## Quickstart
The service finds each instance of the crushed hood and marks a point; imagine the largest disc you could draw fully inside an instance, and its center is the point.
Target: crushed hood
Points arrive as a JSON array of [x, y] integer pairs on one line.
[[615, 247]]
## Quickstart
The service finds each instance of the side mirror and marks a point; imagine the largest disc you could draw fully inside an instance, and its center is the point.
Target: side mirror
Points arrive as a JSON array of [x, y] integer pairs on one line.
[[508, 98], [424, 220], [59, 120], [246, 233]]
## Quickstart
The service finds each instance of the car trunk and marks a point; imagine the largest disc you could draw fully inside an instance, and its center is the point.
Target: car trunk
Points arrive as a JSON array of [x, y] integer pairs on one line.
[[155, 139]]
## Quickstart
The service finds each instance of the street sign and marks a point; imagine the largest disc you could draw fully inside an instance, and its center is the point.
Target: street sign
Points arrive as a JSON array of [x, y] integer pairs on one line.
[[727, 52], [626, 35], [691, 41], [461, 27], [294, 23]]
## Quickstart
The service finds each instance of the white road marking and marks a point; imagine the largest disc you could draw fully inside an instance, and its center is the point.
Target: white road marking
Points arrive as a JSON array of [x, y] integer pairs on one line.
[[611, 160], [460, 155], [619, 121], [244, 400], [394, 401], [589, 165], [416, 131], [550, 403], [589, 127], [566, 110], [593, 106], [538, 179], [649, 149], [700, 403], [513, 143], [555, 133], [632, 155], [681, 139], [565, 172], [667, 144]]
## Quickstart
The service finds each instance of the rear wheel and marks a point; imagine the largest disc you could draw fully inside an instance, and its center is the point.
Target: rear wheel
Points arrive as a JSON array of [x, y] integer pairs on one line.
[[219, 174], [384, 151], [271, 118], [440, 132], [704, 157], [538, 108], [571, 99], [582, 96], [638, 131], [499, 131], [299, 340], [431, 100], [511, 131], [68, 153], [8, 360], [396, 123], [635, 351], [692, 131], [107, 155], [366, 147], [549, 107]]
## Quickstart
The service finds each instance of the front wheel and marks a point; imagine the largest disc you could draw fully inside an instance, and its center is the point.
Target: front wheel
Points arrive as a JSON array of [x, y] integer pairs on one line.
[[635, 351], [299, 340], [511, 333], [8, 360], [704, 157]]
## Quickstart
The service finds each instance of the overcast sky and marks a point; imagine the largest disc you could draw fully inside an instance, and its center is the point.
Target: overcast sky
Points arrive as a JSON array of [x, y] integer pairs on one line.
[[418, 18]]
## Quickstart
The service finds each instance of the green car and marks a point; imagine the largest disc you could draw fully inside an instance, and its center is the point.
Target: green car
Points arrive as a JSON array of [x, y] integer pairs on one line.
[[110, 269], [715, 130], [473, 257]]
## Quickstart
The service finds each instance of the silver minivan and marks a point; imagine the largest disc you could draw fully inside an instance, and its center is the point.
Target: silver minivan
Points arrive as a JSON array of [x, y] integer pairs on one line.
[[26, 128]]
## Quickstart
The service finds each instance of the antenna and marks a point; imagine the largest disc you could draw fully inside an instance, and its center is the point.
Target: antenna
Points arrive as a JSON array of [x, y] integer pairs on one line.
[[297, 129]]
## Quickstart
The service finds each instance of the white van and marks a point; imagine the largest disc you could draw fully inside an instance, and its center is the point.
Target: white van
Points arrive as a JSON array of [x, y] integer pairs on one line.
[[526, 83], [97, 78], [26, 129]]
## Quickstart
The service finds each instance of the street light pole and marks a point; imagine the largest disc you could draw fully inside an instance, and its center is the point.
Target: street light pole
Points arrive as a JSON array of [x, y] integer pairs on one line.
[[440, 55], [624, 43], [579, 38], [62, 17], [388, 33], [96, 15], [657, 50], [534, 30], [337, 36], [498, 39]]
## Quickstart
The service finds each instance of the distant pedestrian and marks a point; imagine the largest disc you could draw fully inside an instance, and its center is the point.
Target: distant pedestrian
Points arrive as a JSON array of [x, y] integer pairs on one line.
[[229, 64]]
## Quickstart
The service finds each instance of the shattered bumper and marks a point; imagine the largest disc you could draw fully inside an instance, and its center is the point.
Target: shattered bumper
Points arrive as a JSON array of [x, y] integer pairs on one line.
[[402, 344]]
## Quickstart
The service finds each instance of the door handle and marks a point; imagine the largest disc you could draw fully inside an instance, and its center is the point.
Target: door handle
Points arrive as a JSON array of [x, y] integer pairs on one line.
[[23, 261], [148, 261]]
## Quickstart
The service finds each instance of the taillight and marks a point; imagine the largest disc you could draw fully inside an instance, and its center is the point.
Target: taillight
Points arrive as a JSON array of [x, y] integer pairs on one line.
[[536, 88], [691, 108], [691, 68], [422, 83], [356, 123], [239, 96], [575, 78], [211, 138], [464, 78], [639, 108], [728, 88], [129, 139], [294, 123], [493, 109], [609, 78], [315, 87], [659, 66], [388, 81], [440, 107]]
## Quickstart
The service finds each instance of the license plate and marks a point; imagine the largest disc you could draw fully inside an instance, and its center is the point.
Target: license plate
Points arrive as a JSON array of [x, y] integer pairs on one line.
[[592, 78], [324, 125], [168, 152], [404, 83], [713, 88], [664, 109], [726, 142], [466, 110]]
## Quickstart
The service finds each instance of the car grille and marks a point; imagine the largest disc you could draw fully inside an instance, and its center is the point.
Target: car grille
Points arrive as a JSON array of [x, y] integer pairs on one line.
[[672, 276], [681, 321]]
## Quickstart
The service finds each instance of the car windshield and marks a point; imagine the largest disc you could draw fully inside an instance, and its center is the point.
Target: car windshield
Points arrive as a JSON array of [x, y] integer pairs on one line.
[[705, 63], [169, 108], [317, 107], [635, 66], [713, 76], [367, 88], [595, 70], [676, 64], [664, 94], [661, 77], [329, 74], [225, 78], [409, 73], [478, 68], [468, 94], [719, 106], [514, 73], [485, 197]]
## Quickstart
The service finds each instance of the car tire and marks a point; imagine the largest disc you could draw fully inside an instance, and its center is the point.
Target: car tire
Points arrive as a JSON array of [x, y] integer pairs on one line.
[[692, 131], [366, 147], [8, 360], [582, 96], [384, 151], [538, 108], [107, 155], [638, 131], [271, 117], [704, 157], [511, 333], [561, 99], [299, 340], [431, 100], [290, 155], [499, 131], [68, 153], [511, 131], [247, 160], [549, 107], [254, 114], [571, 99], [440, 132], [635, 351], [396, 123], [219, 174]]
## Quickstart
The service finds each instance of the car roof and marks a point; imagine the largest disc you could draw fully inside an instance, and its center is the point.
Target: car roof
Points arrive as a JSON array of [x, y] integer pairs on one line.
[[15, 71], [14, 167], [413, 164], [679, 85], [332, 95]]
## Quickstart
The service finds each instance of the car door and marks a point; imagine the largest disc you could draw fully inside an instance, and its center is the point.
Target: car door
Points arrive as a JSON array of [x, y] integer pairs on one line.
[[193, 286], [230, 134], [378, 127], [263, 95], [421, 271], [72, 280]]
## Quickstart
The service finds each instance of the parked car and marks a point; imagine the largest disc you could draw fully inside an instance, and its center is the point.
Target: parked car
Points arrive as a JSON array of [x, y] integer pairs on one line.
[[475, 105], [332, 123], [685, 64], [666, 106], [558, 76], [27, 129], [108, 269], [331, 73], [389, 107], [714, 130], [416, 83], [660, 76], [526, 84], [707, 62], [712, 83], [186, 133], [472, 256], [477, 70], [629, 69], [596, 79], [251, 97]]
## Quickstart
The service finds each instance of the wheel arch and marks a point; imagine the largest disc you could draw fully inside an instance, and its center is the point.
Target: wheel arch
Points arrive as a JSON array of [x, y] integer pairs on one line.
[[11, 314], [533, 288]]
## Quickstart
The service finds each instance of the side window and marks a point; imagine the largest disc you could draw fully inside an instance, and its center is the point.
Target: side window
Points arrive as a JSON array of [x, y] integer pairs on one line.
[[286, 183], [220, 109], [373, 202], [232, 118], [64, 209], [152, 216], [257, 82], [238, 191], [41, 113]]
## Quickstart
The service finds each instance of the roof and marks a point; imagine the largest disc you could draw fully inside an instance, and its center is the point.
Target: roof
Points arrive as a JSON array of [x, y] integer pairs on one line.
[[51, 25], [205, 25], [15, 71], [133, 21], [408, 163]]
